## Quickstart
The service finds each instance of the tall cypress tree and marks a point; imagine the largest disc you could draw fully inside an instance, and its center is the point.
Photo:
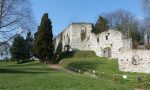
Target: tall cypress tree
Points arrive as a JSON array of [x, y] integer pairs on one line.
[[43, 44]]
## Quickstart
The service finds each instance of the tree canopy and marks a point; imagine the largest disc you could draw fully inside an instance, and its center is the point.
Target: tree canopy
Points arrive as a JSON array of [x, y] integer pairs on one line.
[[101, 25], [18, 49], [16, 17], [125, 22]]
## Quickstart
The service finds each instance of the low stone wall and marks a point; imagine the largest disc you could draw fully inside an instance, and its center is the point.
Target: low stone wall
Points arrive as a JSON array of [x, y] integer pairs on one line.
[[134, 61]]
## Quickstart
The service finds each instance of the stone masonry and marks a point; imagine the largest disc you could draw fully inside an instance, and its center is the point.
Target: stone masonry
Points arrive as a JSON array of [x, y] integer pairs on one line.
[[111, 44]]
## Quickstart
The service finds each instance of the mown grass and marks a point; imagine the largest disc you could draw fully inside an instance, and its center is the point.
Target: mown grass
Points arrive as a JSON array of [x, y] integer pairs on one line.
[[106, 68], [37, 76]]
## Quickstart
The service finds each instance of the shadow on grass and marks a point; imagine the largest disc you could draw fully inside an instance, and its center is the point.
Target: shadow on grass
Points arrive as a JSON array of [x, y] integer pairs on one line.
[[26, 61], [12, 71], [22, 65]]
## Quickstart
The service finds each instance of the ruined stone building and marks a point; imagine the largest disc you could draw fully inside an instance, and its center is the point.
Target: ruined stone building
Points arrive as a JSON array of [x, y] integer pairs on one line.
[[111, 44]]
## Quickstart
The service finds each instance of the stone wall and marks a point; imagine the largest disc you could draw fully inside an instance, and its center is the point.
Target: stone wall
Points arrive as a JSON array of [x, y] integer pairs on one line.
[[107, 43], [111, 40], [76, 43], [110, 44], [134, 61], [57, 40], [72, 36]]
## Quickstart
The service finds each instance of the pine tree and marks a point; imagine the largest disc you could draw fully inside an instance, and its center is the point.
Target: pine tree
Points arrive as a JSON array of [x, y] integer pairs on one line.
[[29, 44], [101, 25], [18, 49], [43, 44]]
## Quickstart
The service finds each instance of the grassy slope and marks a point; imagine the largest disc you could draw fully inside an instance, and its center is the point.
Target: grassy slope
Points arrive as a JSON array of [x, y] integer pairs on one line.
[[109, 67], [94, 63], [36, 76]]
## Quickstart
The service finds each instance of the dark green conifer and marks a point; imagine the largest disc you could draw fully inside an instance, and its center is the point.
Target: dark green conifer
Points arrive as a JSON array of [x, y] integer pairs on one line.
[[43, 44], [101, 25], [18, 49]]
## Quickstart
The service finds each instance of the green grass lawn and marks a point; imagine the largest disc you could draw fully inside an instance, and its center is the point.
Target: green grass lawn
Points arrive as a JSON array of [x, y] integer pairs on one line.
[[107, 68], [37, 76]]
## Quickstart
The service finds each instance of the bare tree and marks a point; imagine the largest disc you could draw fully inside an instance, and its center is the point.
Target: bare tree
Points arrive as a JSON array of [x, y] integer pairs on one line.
[[127, 23], [122, 20], [15, 18], [146, 9]]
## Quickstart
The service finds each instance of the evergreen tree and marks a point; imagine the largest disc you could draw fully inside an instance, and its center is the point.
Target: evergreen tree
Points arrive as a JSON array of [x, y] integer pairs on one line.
[[29, 44], [101, 25], [43, 44], [18, 50]]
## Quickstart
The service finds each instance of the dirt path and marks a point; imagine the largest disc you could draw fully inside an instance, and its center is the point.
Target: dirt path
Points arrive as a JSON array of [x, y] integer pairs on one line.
[[59, 68]]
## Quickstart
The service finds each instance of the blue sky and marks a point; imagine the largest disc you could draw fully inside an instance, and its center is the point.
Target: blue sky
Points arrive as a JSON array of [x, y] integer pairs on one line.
[[63, 12]]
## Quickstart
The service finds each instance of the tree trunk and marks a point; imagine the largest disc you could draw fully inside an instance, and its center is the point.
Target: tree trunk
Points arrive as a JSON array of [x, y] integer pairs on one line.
[[18, 61]]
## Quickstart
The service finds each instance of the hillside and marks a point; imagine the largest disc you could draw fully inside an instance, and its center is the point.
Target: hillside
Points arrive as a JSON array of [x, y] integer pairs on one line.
[[106, 69], [37, 76]]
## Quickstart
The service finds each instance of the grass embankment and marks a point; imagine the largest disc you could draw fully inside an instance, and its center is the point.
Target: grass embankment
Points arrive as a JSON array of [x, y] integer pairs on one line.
[[37, 76], [105, 69]]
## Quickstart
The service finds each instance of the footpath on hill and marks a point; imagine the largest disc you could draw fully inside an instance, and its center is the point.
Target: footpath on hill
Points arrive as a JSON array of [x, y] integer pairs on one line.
[[59, 68]]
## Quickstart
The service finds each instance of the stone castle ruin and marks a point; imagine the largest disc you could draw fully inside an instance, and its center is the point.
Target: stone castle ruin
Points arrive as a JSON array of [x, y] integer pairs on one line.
[[111, 44]]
